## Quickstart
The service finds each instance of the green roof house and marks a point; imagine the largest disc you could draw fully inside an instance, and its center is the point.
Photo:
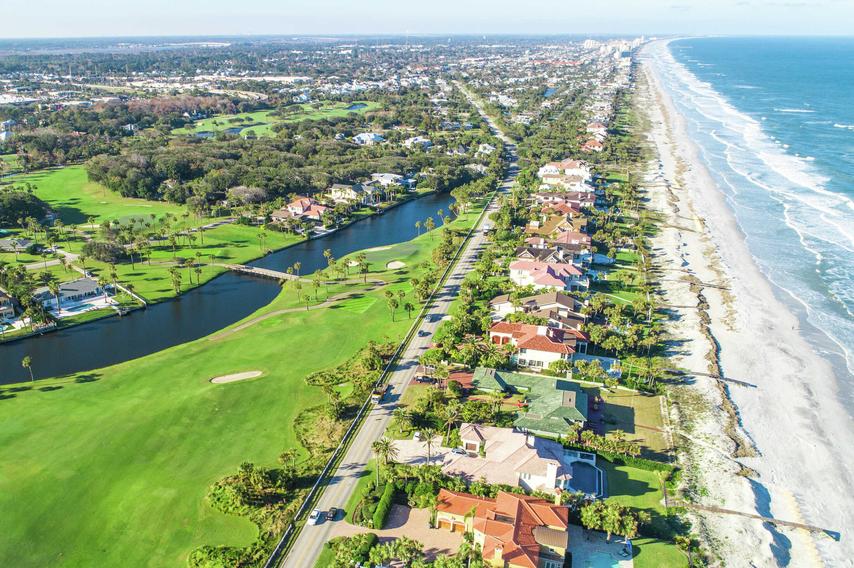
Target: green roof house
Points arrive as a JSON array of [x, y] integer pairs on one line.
[[554, 404]]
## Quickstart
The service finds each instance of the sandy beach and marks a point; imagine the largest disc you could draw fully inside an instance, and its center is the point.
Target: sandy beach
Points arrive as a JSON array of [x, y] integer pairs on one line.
[[781, 448]]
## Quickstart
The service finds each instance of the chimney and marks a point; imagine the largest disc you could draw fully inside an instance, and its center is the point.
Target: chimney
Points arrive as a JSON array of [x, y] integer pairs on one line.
[[498, 553], [558, 493]]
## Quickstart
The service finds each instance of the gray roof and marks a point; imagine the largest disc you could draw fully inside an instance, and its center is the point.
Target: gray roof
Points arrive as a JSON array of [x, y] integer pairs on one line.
[[79, 286]]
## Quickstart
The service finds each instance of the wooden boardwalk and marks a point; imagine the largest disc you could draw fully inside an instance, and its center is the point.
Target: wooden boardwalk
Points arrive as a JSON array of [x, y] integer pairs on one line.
[[780, 523], [262, 272]]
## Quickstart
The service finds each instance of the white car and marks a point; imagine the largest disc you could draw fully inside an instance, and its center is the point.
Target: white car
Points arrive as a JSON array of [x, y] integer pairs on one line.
[[316, 517]]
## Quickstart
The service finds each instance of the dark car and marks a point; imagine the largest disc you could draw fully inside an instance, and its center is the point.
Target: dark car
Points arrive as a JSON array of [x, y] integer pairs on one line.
[[333, 513]]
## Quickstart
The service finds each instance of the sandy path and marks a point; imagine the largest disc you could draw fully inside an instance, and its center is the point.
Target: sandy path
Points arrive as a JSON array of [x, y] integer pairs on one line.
[[234, 377], [802, 436]]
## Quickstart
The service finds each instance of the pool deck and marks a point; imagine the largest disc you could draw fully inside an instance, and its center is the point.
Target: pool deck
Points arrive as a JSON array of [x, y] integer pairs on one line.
[[589, 550]]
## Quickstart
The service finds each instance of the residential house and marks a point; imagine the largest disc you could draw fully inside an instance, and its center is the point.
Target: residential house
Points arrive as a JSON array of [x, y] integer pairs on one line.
[[564, 182], [346, 193], [549, 225], [550, 302], [592, 145], [509, 457], [72, 292], [513, 531], [554, 405], [300, 208], [548, 276], [597, 130], [547, 255], [7, 308], [485, 149], [368, 139], [387, 179], [538, 346], [566, 167], [418, 141]]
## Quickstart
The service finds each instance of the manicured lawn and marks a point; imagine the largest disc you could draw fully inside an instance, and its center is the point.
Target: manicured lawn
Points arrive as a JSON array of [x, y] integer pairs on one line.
[[75, 198], [111, 467], [633, 487], [261, 122], [654, 553], [636, 414]]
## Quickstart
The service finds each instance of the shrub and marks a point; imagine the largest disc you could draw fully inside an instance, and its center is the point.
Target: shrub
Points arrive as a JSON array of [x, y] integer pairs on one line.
[[384, 506]]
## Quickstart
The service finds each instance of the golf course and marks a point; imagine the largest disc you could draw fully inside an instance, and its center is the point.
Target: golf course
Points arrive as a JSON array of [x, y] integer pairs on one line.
[[111, 467]]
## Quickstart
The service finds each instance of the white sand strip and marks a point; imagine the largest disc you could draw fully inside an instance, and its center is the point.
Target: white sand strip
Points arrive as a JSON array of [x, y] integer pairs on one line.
[[794, 416], [395, 264], [234, 377]]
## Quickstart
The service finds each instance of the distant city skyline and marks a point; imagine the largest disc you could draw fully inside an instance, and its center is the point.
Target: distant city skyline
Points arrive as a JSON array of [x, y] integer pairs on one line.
[[104, 18]]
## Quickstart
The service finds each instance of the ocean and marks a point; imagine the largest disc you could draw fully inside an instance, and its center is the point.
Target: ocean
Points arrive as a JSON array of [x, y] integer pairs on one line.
[[773, 119]]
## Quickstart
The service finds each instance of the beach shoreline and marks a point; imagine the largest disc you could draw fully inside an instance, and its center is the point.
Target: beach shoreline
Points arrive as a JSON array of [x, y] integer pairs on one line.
[[778, 449]]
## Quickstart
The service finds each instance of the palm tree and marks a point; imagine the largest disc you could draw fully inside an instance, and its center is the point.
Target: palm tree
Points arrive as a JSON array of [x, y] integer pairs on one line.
[[450, 414], [53, 286], [429, 440], [418, 227], [385, 452], [27, 363]]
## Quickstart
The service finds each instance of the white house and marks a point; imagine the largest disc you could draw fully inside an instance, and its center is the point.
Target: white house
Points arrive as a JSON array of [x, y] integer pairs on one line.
[[368, 139], [565, 167], [69, 292], [346, 193], [418, 141]]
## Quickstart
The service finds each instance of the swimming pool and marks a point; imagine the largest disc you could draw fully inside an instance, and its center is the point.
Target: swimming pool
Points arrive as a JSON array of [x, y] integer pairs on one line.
[[600, 560]]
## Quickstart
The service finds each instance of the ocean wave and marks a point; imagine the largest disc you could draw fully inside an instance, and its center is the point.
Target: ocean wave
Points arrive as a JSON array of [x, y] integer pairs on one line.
[[782, 202]]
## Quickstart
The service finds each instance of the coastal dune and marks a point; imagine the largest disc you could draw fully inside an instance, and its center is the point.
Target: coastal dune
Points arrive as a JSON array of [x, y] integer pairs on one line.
[[781, 448]]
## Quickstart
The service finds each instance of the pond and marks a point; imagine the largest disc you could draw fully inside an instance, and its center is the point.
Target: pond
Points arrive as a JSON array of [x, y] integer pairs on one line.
[[204, 310], [357, 106]]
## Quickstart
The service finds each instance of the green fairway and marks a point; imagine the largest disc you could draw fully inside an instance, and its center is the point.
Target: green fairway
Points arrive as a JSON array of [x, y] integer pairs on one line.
[[111, 467], [75, 199], [261, 122]]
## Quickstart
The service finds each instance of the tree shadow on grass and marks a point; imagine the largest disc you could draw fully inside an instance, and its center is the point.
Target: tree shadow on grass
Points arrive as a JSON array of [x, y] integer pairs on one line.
[[87, 378], [50, 388]]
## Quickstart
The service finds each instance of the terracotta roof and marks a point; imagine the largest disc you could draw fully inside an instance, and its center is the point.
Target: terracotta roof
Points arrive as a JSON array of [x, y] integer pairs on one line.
[[534, 337]]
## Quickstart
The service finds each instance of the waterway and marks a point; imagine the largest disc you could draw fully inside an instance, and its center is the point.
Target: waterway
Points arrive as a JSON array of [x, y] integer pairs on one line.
[[204, 310]]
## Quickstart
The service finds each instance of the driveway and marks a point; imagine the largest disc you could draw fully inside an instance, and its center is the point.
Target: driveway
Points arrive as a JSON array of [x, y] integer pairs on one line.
[[413, 523]]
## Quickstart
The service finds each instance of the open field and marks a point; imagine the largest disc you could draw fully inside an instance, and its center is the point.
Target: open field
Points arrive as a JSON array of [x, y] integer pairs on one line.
[[75, 199], [112, 466], [261, 122], [635, 413]]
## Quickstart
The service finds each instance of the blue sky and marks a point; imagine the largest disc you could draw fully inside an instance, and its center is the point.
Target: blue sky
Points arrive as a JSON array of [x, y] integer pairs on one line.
[[73, 18]]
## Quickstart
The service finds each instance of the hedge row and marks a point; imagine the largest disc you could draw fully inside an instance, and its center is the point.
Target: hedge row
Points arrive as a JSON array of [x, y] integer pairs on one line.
[[622, 459], [384, 506]]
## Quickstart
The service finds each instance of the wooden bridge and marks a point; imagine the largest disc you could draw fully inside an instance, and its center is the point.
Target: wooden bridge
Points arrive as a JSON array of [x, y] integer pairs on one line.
[[262, 272]]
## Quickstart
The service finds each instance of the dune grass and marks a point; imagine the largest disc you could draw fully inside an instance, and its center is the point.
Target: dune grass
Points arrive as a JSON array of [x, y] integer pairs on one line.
[[111, 467]]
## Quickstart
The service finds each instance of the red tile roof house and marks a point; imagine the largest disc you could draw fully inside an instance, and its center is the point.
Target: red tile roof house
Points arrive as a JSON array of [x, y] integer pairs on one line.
[[301, 207], [538, 346], [513, 531], [593, 146], [548, 276]]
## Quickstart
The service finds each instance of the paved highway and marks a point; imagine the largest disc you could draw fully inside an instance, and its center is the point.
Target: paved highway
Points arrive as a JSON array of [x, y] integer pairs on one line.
[[310, 541]]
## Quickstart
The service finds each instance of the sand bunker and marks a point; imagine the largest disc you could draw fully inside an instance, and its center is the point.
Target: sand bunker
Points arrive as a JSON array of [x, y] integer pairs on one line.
[[235, 377], [395, 264], [378, 248], [352, 263]]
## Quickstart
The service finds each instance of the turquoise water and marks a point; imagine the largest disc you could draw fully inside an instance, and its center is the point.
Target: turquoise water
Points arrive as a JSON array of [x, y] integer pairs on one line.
[[774, 121]]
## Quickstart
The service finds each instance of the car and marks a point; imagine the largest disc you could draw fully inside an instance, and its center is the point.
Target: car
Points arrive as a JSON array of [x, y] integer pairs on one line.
[[423, 379], [417, 436], [333, 513], [459, 452], [316, 517], [423, 333]]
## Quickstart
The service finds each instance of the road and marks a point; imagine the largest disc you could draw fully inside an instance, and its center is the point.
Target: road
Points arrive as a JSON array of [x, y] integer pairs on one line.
[[310, 541]]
